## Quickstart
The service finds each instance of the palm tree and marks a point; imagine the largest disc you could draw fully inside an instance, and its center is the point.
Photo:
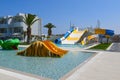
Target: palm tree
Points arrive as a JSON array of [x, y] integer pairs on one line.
[[29, 20], [49, 26]]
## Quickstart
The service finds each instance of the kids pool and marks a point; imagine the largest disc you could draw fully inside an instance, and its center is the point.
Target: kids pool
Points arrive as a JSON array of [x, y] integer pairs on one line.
[[47, 67]]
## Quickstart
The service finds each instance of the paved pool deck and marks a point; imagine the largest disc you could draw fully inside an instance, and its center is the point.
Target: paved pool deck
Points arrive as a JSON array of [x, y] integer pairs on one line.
[[103, 66]]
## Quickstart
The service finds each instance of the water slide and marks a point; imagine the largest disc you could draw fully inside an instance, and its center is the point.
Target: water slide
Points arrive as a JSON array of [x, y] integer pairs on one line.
[[104, 32], [74, 37], [88, 38], [53, 48], [43, 49], [58, 41]]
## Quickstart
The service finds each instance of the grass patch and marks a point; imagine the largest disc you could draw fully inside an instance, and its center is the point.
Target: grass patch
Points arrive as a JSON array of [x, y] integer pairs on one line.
[[102, 46]]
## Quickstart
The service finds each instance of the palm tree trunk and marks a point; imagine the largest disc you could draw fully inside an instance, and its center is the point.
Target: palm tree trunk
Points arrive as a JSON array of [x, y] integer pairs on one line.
[[49, 31], [24, 35], [28, 35]]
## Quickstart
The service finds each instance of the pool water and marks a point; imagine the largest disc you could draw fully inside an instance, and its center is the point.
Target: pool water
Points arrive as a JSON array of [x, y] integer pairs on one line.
[[53, 68], [71, 45]]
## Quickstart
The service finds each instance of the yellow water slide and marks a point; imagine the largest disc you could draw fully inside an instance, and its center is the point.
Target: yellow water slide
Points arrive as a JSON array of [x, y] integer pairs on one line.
[[74, 37], [88, 38], [43, 49], [53, 48]]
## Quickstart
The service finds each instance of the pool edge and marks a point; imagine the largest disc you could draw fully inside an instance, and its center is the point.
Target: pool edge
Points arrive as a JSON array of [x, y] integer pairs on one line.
[[79, 66]]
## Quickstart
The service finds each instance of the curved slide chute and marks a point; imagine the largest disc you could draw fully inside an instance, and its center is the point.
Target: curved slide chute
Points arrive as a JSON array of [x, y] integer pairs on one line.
[[109, 32], [43, 49], [104, 32], [58, 41], [88, 38], [53, 48]]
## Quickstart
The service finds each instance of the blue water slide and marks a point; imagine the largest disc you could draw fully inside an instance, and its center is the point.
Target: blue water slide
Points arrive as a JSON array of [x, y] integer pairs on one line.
[[109, 32], [58, 41]]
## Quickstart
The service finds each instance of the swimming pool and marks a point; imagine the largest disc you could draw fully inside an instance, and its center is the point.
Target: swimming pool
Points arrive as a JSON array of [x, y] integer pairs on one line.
[[53, 68], [71, 45]]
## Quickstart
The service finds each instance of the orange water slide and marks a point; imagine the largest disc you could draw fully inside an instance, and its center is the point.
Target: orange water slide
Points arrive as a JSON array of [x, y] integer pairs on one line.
[[53, 48]]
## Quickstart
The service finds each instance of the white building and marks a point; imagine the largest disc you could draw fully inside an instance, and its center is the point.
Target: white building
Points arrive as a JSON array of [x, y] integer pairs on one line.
[[13, 26]]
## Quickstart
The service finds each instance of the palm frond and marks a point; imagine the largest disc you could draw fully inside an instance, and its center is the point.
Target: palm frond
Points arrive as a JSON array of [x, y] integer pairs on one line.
[[34, 21], [29, 19]]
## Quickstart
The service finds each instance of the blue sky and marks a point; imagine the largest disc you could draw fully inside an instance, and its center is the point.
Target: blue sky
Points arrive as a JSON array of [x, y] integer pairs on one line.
[[81, 13]]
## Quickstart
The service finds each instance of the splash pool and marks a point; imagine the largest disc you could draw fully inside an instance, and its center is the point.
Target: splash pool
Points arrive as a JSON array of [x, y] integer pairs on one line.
[[52, 68], [71, 45]]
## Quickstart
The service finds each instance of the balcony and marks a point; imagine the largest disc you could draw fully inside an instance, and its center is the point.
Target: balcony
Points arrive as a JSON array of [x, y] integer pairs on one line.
[[18, 24], [4, 25]]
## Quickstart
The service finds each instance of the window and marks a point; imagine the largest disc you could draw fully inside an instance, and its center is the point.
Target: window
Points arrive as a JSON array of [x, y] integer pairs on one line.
[[18, 29], [3, 30]]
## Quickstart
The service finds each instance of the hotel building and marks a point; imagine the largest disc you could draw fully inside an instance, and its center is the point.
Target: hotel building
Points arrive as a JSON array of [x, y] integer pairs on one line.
[[14, 27]]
